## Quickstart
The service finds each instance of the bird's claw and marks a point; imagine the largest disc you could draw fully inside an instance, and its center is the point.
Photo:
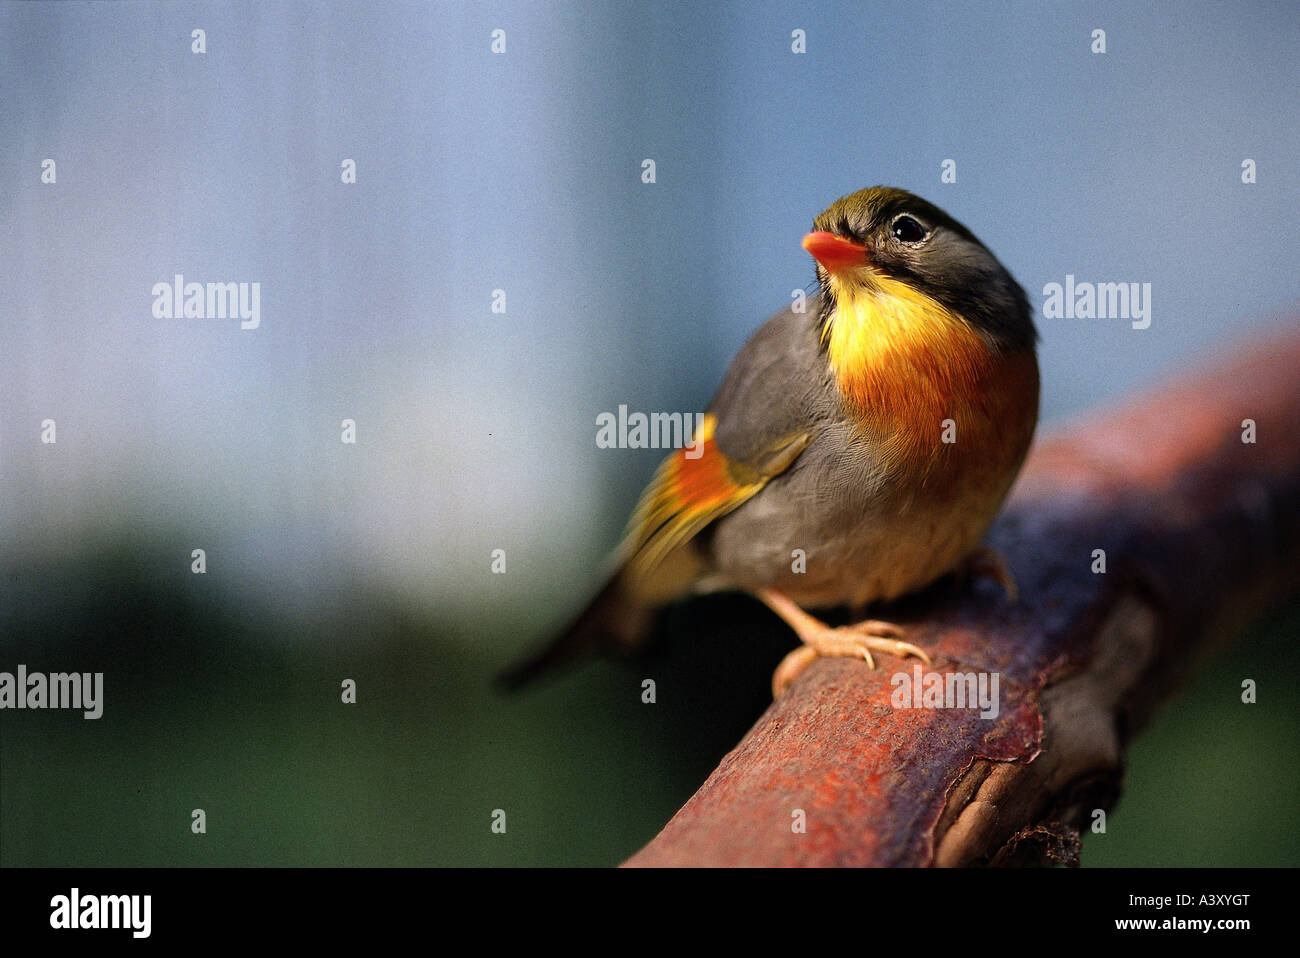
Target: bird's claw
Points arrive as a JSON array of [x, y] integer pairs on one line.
[[851, 641]]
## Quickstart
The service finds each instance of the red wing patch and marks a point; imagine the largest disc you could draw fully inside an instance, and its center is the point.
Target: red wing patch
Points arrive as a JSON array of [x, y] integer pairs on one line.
[[685, 496]]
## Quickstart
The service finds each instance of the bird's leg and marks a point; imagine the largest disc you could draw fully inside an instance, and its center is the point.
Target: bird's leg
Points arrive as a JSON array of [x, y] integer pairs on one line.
[[858, 640], [988, 562]]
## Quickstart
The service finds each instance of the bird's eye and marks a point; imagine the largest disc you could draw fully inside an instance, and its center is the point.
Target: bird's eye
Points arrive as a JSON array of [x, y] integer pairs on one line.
[[907, 230]]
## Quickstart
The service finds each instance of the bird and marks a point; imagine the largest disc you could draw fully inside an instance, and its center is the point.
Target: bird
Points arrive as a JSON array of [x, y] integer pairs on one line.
[[857, 450]]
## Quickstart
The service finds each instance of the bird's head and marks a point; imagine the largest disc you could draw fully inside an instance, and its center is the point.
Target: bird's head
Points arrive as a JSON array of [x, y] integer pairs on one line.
[[894, 249]]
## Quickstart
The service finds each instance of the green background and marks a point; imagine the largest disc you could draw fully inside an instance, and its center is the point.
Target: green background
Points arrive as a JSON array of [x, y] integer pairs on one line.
[[236, 710]]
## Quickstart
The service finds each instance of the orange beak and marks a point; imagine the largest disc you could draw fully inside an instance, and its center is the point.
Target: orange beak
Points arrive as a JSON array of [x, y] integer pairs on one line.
[[835, 253]]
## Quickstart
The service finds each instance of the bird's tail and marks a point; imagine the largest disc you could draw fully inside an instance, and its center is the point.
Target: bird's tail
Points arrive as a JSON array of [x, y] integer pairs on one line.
[[615, 618]]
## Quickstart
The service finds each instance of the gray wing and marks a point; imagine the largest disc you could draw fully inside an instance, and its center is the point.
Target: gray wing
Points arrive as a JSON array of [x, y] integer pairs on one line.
[[778, 389]]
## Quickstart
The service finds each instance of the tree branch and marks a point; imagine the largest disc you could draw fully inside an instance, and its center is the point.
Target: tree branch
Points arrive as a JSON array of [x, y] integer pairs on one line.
[[1199, 529]]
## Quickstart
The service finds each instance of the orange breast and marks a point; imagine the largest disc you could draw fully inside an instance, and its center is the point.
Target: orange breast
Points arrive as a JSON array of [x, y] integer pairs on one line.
[[924, 381]]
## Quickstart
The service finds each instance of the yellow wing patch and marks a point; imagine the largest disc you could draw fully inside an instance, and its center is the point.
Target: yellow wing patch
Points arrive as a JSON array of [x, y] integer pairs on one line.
[[687, 494]]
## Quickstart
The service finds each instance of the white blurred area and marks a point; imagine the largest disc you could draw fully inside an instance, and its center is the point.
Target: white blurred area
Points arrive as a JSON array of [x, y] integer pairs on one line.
[[445, 469]]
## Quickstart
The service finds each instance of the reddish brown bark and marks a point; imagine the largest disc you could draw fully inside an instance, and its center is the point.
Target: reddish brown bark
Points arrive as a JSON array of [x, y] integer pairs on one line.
[[1198, 528]]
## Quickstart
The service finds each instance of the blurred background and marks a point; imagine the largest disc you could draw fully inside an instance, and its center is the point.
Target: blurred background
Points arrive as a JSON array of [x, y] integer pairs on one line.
[[521, 171]]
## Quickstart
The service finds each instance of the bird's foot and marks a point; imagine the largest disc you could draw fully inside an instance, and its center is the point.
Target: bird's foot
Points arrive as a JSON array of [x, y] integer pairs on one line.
[[988, 562], [857, 641]]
